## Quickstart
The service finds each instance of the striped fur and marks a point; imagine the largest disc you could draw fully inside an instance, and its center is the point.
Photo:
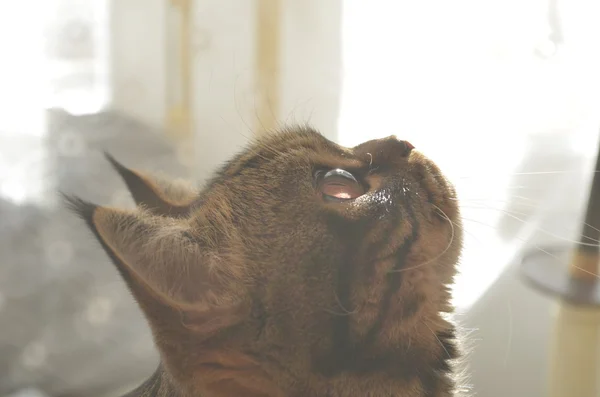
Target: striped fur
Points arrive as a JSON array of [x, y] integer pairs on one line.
[[255, 286]]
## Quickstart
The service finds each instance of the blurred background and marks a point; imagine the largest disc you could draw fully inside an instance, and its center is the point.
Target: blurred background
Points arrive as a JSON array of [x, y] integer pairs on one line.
[[504, 95]]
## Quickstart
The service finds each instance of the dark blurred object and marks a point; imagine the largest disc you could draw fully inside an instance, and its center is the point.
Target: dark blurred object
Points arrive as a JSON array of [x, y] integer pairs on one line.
[[28, 393], [69, 326]]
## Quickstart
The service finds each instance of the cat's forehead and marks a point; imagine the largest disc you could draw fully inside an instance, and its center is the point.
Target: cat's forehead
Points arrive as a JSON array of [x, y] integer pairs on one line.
[[309, 145]]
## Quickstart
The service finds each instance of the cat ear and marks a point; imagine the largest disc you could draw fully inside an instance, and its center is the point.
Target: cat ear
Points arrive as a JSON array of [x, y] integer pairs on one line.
[[166, 269], [158, 196]]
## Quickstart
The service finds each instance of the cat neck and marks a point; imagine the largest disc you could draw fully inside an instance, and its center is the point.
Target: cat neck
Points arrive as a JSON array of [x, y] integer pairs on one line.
[[158, 385]]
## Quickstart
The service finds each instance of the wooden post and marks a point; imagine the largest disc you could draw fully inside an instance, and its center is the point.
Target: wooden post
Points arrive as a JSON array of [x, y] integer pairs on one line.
[[574, 370], [574, 365], [268, 34], [179, 113], [571, 275], [180, 84]]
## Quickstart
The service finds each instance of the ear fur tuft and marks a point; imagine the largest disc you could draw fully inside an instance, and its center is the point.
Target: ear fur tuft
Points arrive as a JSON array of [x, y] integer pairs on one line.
[[157, 196], [167, 272], [81, 208]]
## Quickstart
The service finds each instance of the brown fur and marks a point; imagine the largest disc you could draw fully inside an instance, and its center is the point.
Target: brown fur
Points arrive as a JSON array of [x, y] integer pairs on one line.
[[255, 286]]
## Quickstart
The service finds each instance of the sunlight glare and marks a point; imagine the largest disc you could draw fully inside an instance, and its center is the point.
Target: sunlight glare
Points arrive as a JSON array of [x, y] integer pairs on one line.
[[468, 92]]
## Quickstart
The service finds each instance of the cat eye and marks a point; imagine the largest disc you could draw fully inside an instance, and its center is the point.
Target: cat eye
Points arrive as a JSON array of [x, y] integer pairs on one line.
[[338, 185]]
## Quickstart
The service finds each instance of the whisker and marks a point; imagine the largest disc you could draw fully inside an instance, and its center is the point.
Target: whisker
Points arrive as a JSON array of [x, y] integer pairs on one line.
[[340, 314], [510, 199], [236, 104], [462, 228], [462, 184], [523, 206], [441, 253], [487, 175], [257, 116], [254, 137], [561, 238], [477, 221], [510, 332], [558, 258], [535, 246], [438, 339], [345, 312], [523, 198], [497, 209], [507, 213], [252, 149]]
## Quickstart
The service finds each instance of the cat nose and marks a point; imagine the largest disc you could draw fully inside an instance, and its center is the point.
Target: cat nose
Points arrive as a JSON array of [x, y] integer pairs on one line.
[[384, 149], [408, 147], [405, 147]]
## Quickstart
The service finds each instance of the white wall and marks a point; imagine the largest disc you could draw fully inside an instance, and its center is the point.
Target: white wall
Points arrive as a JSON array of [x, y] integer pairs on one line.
[[223, 79], [225, 93], [311, 79], [23, 87], [138, 59]]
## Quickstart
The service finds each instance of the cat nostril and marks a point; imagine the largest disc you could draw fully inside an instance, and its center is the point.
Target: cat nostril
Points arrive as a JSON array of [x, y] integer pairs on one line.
[[408, 147]]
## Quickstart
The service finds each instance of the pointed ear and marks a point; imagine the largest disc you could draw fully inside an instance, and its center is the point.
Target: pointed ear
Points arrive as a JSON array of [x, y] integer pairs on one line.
[[167, 270], [158, 196]]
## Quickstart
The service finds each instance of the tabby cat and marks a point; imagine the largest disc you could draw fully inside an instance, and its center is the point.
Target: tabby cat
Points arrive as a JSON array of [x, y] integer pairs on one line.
[[303, 268]]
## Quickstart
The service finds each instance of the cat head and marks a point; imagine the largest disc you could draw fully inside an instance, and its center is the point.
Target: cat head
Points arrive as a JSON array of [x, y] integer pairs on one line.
[[301, 266]]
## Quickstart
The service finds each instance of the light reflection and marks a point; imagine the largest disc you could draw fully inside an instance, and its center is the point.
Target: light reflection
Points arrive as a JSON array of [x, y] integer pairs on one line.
[[22, 70], [13, 190], [37, 74], [469, 92]]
